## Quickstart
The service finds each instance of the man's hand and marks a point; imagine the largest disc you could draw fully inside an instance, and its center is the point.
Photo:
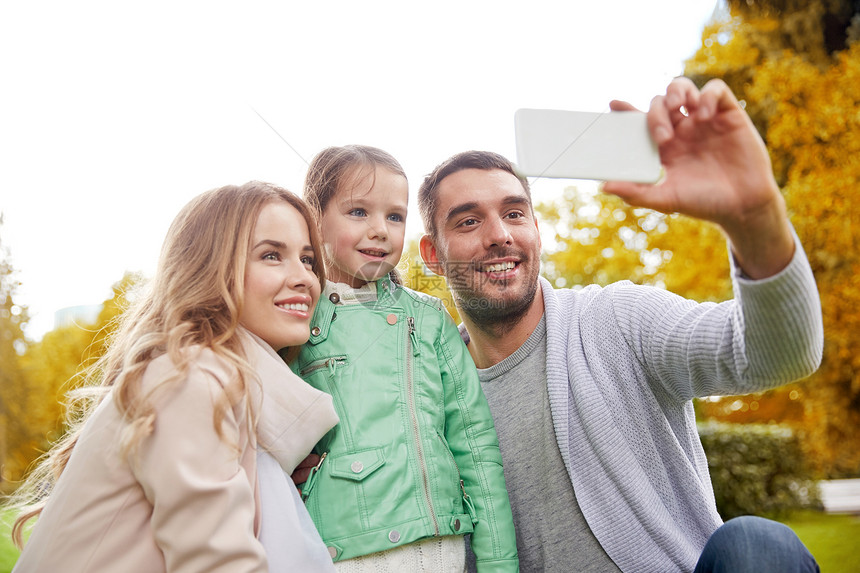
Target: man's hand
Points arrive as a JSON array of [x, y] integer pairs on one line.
[[716, 168]]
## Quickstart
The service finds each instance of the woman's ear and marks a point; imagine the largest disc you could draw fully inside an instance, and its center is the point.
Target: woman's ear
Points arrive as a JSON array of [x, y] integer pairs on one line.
[[428, 251]]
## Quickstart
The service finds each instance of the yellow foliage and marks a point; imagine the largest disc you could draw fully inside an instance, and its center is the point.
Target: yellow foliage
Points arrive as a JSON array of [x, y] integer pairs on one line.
[[51, 368], [804, 95], [417, 276], [599, 240]]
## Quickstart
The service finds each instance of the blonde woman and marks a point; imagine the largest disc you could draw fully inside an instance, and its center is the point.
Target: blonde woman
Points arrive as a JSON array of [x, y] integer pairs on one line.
[[160, 473]]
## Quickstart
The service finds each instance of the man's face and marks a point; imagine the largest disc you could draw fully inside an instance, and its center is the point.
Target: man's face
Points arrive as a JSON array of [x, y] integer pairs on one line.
[[488, 244]]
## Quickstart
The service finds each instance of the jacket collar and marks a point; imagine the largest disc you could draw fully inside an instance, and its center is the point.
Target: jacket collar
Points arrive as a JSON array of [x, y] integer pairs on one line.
[[292, 416], [328, 305]]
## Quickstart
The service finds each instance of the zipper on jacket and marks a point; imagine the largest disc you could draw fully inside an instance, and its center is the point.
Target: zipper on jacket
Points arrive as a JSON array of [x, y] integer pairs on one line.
[[312, 478], [467, 501], [410, 389], [416, 348], [330, 363]]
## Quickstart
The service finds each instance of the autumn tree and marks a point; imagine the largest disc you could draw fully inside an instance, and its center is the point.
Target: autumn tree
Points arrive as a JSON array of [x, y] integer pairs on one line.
[[598, 239], [796, 68], [51, 368], [417, 276], [13, 342], [796, 65]]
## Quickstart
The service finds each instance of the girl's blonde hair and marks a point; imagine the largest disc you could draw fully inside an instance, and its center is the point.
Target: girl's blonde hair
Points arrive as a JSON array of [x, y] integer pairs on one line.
[[340, 168], [194, 300]]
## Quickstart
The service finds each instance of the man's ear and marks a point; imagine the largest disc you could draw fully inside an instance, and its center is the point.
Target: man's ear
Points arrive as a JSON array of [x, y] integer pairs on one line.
[[427, 248], [540, 243]]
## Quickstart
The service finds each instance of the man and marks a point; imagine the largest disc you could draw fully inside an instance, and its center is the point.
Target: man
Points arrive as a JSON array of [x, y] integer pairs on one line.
[[591, 390]]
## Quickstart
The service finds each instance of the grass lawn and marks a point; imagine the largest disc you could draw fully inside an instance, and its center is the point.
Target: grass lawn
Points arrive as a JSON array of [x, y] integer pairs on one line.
[[8, 552], [834, 540]]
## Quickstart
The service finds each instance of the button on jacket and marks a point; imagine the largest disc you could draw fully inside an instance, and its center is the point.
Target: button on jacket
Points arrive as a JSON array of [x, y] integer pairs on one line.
[[415, 454]]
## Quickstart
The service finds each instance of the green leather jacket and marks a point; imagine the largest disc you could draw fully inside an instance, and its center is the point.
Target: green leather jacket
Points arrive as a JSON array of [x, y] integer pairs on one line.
[[415, 454]]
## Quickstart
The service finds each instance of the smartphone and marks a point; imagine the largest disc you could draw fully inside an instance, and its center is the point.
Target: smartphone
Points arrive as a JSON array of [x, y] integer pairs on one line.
[[614, 146]]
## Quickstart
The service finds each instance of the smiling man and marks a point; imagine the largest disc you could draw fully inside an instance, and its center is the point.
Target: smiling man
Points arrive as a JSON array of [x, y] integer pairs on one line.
[[591, 390]]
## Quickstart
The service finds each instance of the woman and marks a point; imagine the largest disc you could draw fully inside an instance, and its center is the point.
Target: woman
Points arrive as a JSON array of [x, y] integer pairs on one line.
[[160, 473]]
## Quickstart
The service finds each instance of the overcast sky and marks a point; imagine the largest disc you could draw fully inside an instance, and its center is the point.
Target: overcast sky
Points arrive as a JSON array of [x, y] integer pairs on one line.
[[114, 114]]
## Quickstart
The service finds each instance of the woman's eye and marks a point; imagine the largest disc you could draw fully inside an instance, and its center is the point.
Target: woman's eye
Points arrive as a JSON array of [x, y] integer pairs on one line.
[[271, 256], [308, 260]]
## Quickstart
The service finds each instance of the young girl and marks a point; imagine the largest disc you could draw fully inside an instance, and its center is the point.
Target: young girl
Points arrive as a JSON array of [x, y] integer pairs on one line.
[[414, 464], [161, 472]]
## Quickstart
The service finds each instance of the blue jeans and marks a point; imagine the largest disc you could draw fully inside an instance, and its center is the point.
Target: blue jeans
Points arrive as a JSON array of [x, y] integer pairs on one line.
[[754, 544]]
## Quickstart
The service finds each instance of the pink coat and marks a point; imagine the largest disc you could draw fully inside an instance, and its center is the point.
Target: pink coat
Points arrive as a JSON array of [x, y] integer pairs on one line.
[[191, 502]]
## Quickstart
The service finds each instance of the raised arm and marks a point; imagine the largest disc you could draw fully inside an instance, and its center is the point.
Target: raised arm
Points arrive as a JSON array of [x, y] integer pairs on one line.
[[716, 168]]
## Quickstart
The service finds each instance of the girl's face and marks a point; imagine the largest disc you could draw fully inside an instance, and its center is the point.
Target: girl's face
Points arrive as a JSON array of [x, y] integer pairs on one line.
[[363, 227], [280, 287]]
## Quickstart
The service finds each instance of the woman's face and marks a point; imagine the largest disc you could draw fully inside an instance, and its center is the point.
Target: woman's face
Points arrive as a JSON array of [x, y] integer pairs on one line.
[[280, 287]]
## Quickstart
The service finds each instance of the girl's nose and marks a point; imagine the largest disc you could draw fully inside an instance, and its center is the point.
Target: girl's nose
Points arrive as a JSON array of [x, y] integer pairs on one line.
[[377, 229]]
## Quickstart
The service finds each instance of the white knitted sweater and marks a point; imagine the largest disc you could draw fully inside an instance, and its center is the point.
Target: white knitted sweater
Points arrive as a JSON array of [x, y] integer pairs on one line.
[[623, 363]]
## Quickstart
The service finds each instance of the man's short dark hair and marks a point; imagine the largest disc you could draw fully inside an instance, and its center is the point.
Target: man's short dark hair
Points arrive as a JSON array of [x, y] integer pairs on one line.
[[486, 160]]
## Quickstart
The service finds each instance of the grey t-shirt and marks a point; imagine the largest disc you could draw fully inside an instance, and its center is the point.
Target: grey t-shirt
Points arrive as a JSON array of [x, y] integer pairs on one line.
[[552, 534]]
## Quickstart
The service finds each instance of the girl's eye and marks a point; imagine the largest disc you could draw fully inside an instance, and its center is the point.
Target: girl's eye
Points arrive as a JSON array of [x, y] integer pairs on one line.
[[396, 217], [358, 213]]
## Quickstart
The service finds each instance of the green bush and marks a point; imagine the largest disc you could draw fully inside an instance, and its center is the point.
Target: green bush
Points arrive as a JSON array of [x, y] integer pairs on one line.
[[757, 469]]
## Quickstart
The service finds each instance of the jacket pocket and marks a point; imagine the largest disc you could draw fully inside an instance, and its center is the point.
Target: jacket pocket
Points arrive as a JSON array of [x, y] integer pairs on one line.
[[356, 466], [345, 503]]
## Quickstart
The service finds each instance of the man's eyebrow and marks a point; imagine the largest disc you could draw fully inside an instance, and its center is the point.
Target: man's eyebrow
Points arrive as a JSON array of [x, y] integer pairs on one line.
[[515, 200], [462, 208], [472, 205]]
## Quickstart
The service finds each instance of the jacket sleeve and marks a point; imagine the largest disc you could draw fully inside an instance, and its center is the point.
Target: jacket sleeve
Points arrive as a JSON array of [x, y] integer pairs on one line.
[[471, 435], [203, 505], [770, 334]]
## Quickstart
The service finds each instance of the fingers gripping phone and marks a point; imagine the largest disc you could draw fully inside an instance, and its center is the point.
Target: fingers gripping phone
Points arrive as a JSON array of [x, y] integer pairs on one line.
[[614, 146]]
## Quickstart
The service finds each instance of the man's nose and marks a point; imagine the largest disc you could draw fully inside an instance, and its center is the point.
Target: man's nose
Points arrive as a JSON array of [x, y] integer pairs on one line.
[[497, 233]]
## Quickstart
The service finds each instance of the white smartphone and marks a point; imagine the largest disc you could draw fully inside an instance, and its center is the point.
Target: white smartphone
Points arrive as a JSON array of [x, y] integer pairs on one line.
[[614, 146]]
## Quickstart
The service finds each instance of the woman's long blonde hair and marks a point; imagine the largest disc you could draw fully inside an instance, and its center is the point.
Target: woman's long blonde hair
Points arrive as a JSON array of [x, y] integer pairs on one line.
[[194, 300]]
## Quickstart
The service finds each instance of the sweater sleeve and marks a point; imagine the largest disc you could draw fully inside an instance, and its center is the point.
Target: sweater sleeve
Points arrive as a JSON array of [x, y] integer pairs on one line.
[[203, 504], [471, 435], [770, 334]]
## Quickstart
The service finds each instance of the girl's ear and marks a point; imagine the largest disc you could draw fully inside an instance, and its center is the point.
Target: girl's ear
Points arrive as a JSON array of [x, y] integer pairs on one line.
[[428, 251]]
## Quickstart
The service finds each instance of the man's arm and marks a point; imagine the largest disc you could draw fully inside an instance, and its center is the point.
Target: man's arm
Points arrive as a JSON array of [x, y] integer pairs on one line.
[[717, 169]]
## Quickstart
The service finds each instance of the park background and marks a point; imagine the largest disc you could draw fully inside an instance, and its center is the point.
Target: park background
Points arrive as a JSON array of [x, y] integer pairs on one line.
[[794, 65]]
